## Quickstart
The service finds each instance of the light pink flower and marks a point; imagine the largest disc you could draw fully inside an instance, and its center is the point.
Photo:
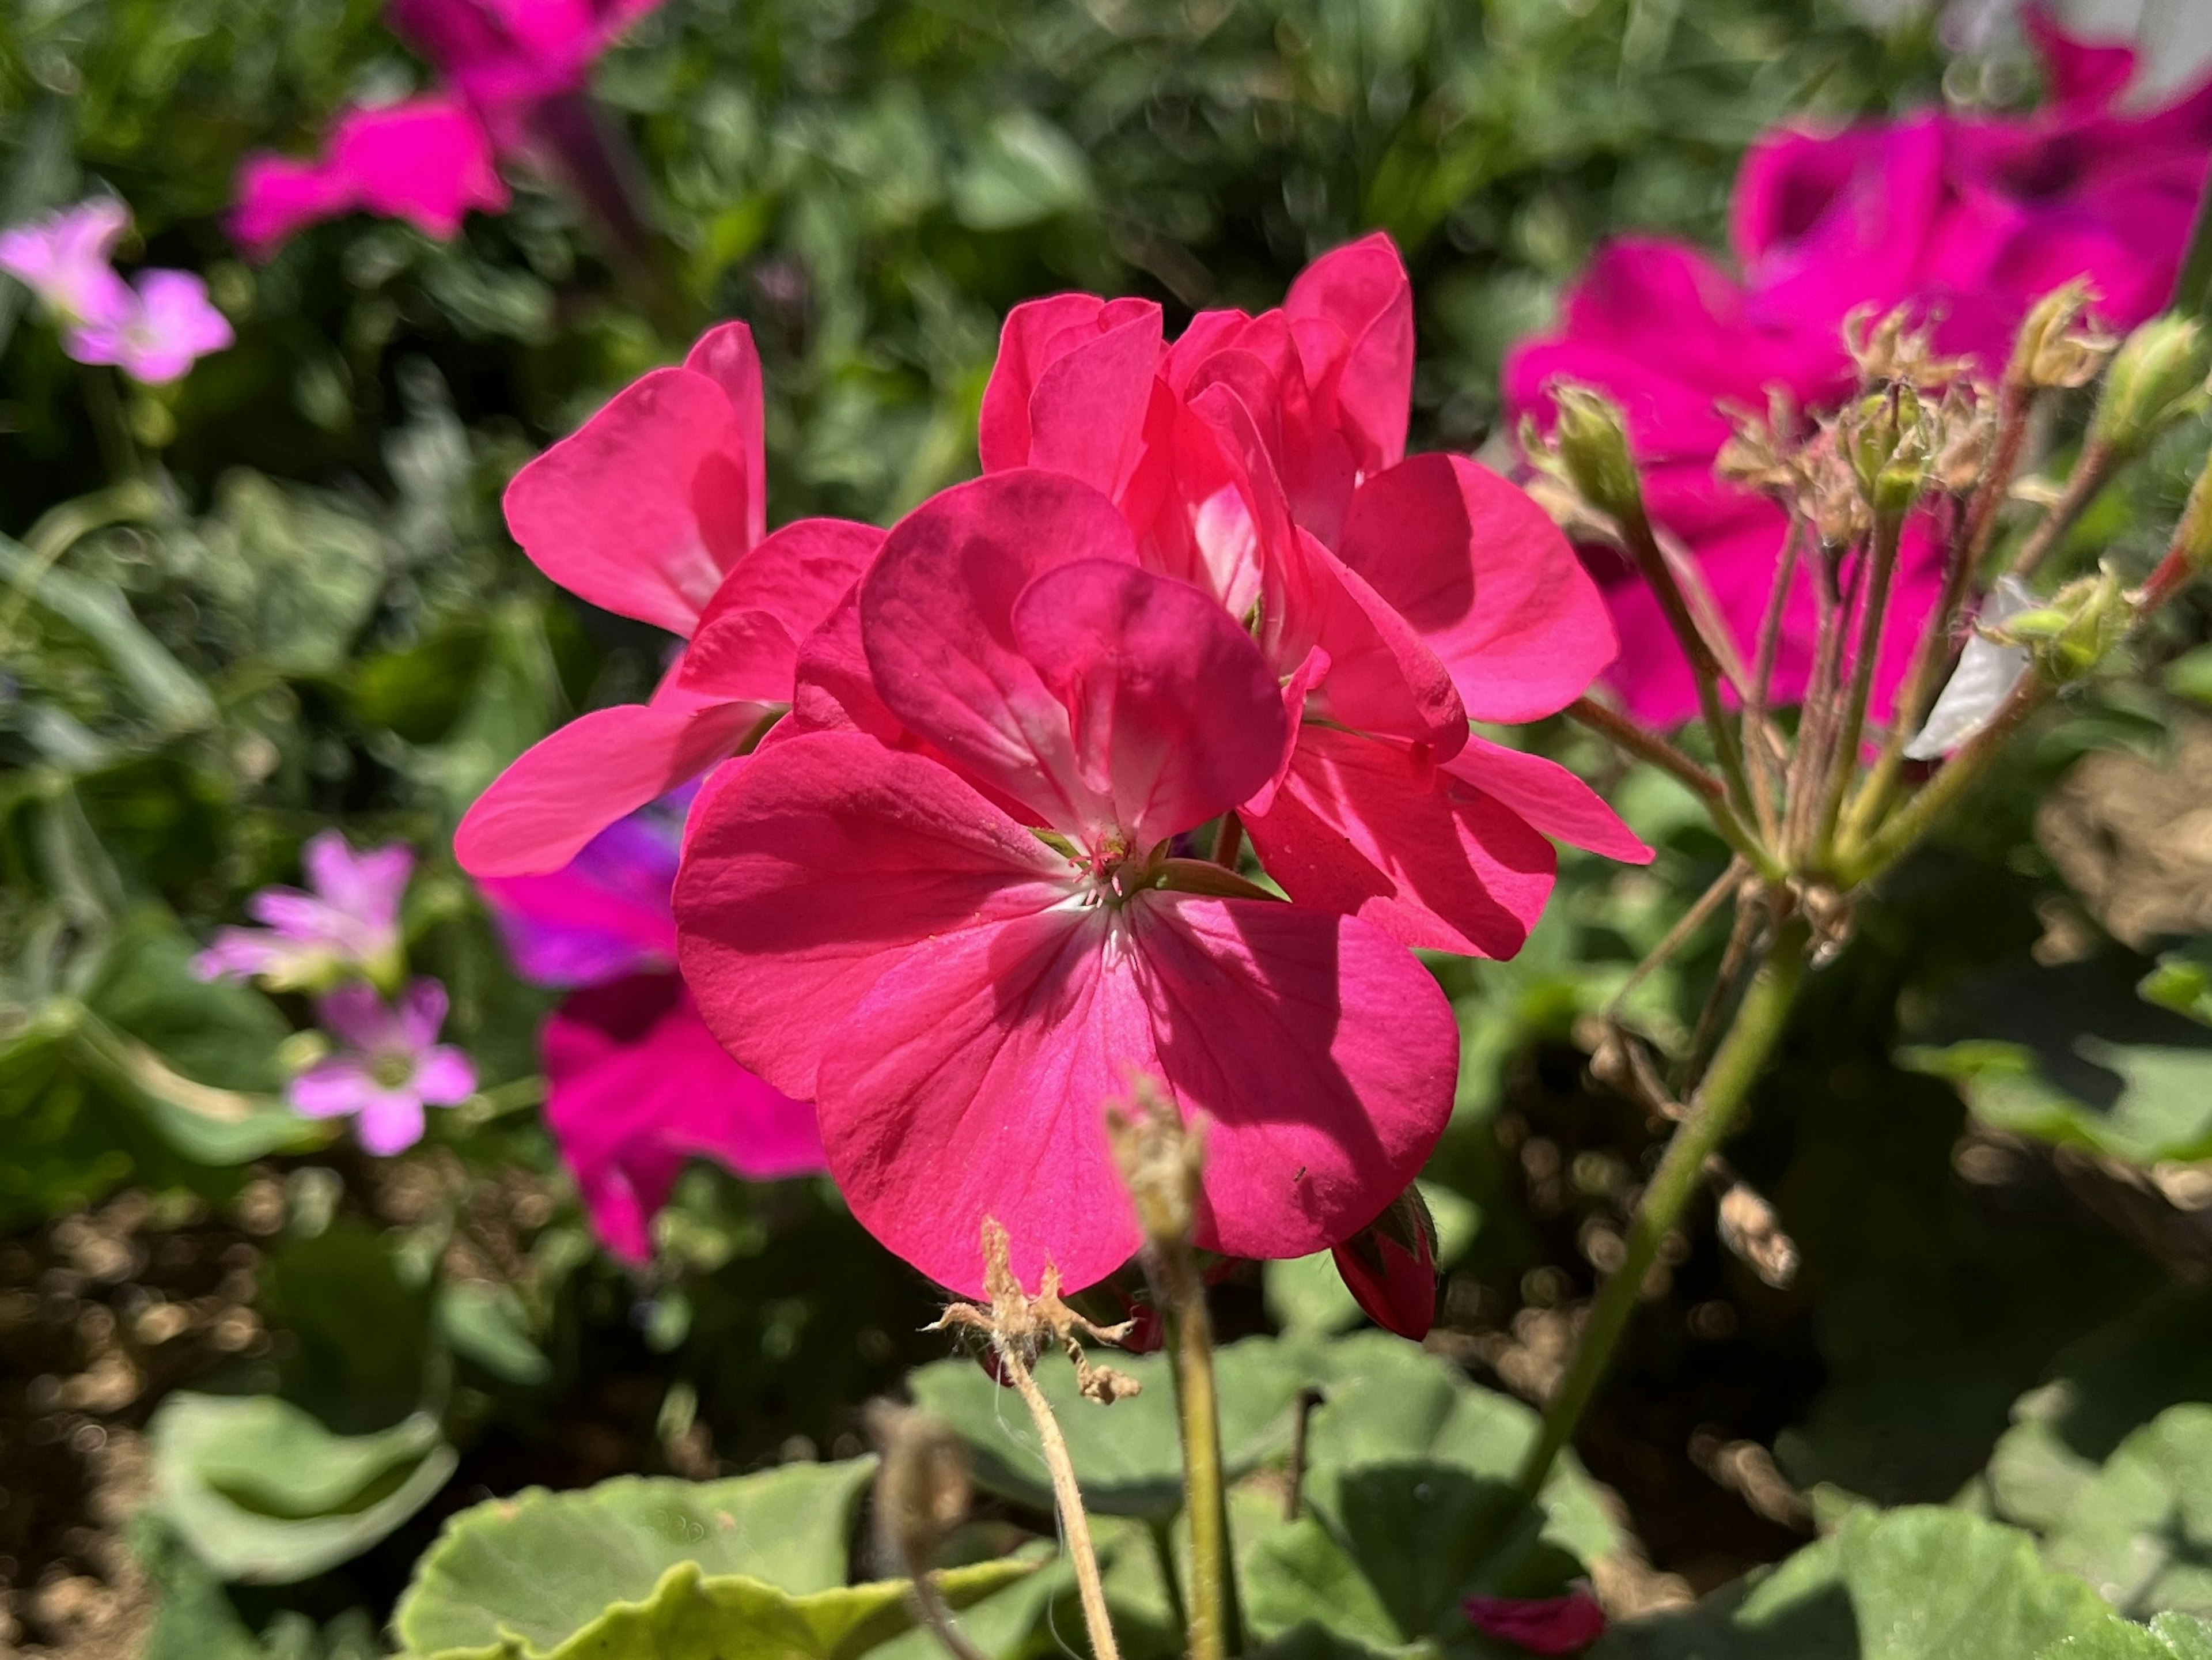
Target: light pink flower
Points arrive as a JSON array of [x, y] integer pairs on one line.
[[960, 992], [63, 258], [349, 924], [1262, 460], [428, 161], [168, 326], [657, 509], [389, 1067]]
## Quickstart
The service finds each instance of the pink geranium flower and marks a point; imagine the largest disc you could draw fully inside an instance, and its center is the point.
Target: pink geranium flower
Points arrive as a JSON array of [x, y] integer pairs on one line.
[[168, 326], [348, 924], [1971, 220], [1263, 460], [657, 509], [1540, 1625], [429, 160], [391, 1065], [63, 258], [961, 960], [637, 1085]]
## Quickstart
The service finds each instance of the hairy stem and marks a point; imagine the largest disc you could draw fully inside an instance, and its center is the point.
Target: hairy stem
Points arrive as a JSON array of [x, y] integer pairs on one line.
[[2097, 464], [1888, 530], [1704, 667], [1182, 1296], [1765, 778], [1743, 1055], [1074, 1524], [1625, 734]]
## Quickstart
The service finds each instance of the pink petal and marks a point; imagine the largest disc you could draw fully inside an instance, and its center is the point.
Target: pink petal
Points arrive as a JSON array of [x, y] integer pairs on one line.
[[1549, 797], [1363, 290], [421, 1012], [1083, 419], [971, 1082], [1321, 1055], [644, 509], [936, 618], [748, 638], [833, 690], [428, 161], [444, 1076], [388, 1122], [1175, 718], [2079, 71], [566, 788], [355, 1015], [637, 1085], [1382, 677], [276, 198], [1540, 1625], [1487, 580], [368, 885], [602, 915], [726, 355], [333, 1088], [1367, 828], [813, 867]]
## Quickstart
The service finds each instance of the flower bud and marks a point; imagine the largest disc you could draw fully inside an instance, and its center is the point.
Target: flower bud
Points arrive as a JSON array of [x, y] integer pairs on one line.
[[1590, 439], [922, 1490], [2192, 537], [2070, 636], [1159, 1158], [1887, 437], [1390, 1266], [2156, 379], [1540, 1625], [2054, 346]]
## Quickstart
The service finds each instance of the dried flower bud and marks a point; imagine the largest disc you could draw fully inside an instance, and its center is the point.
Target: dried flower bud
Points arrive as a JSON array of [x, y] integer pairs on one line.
[[1590, 440], [1893, 352], [2193, 535], [1540, 1625], [922, 1491], [1390, 1266], [1749, 1227], [1159, 1158], [1965, 435], [2056, 347], [2157, 377]]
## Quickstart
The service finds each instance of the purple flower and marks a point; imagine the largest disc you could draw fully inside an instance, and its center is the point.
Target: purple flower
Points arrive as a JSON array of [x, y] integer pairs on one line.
[[168, 326], [391, 1068], [602, 916], [63, 259], [348, 924]]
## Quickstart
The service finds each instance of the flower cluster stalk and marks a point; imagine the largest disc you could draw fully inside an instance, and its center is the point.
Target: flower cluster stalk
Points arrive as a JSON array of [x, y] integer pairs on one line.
[[1075, 1521]]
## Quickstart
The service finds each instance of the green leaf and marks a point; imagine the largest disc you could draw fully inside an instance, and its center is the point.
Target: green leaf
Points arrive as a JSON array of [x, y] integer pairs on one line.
[[1025, 170], [167, 692], [1917, 1583], [265, 1493], [2181, 982], [485, 1323], [2169, 1637], [2139, 1529], [1128, 1456], [649, 1568], [2072, 1056], [297, 568]]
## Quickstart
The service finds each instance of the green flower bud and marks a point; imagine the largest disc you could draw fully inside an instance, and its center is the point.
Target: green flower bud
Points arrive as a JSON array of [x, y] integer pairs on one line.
[[1591, 441], [2050, 350], [1887, 437], [2157, 377], [2074, 633], [2193, 535]]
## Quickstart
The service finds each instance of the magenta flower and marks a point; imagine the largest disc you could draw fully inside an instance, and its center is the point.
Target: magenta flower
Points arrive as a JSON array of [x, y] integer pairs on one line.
[[1262, 460], [63, 258], [1540, 1625], [637, 1085], [431, 159], [657, 509], [389, 1067], [1970, 220], [427, 160], [168, 326], [961, 994], [349, 924]]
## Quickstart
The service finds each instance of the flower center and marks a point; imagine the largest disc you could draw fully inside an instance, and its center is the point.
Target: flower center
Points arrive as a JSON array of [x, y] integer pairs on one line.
[[392, 1072]]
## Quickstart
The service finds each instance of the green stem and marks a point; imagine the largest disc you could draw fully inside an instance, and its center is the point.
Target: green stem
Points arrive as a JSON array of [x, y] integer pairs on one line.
[[2098, 462], [1862, 863], [1625, 734], [1844, 764], [1161, 1530], [1743, 1053], [1213, 1612], [117, 450]]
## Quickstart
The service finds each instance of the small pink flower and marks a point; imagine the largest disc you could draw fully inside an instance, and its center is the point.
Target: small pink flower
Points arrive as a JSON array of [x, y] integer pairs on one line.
[[63, 258], [504, 55], [168, 326], [657, 509], [349, 924], [960, 995], [389, 1067], [1540, 1625], [427, 160]]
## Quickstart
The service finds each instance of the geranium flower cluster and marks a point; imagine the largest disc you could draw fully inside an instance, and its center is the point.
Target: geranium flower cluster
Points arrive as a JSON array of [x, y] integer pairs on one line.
[[153, 330], [635, 1083], [428, 160], [1967, 220], [951, 892]]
